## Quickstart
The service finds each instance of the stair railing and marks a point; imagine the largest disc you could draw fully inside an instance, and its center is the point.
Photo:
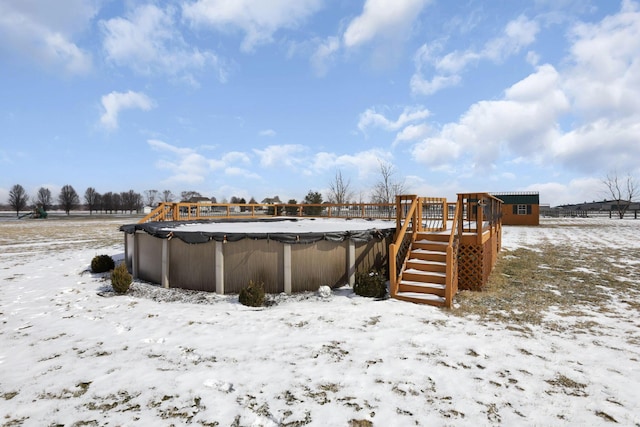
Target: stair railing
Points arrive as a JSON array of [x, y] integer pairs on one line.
[[163, 212], [407, 225]]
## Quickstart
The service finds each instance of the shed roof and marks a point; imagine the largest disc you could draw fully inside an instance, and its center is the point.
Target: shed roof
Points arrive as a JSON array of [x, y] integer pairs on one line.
[[519, 198]]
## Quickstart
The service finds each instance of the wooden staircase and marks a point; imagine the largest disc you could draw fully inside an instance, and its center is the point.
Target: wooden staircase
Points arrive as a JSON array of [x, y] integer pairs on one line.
[[423, 278]]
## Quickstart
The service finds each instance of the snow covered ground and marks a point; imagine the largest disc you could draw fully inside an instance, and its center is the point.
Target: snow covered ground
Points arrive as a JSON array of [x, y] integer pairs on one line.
[[73, 353]]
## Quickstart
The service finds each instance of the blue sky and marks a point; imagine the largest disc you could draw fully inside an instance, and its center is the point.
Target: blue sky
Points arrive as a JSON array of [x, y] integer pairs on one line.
[[256, 98]]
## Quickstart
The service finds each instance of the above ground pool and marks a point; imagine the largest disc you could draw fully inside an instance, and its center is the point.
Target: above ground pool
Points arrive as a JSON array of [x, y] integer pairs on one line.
[[286, 254]]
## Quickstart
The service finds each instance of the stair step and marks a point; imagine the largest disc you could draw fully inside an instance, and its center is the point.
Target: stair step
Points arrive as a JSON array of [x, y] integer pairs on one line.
[[419, 298], [430, 245], [411, 274], [426, 255], [426, 265], [438, 237], [422, 287]]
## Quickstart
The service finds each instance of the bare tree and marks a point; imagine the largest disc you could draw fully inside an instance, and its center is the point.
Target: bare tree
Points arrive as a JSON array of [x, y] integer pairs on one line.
[[130, 201], [622, 190], [18, 198], [150, 197], [339, 189], [92, 199], [68, 198], [43, 198], [186, 196], [167, 196], [116, 202], [106, 202], [386, 189]]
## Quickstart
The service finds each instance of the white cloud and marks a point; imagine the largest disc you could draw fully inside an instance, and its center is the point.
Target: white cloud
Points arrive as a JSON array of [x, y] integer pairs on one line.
[[324, 55], [605, 57], [114, 102], [412, 133], [372, 118], [362, 164], [148, 41], [523, 122], [516, 35], [268, 133], [43, 31], [185, 165], [290, 155], [575, 191], [388, 22], [242, 172], [387, 18], [236, 157], [259, 20], [600, 145], [584, 116]]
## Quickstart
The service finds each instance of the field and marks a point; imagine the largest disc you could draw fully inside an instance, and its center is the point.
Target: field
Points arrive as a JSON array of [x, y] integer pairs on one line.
[[554, 340]]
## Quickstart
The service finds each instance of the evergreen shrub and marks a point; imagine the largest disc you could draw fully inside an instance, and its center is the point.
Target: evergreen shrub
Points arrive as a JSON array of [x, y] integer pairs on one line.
[[102, 264], [252, 295], [121, 279], [371, 284]]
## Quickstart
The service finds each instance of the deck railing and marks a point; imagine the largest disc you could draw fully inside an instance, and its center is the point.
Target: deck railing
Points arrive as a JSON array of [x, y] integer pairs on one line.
[[198, 211], [481, 214]]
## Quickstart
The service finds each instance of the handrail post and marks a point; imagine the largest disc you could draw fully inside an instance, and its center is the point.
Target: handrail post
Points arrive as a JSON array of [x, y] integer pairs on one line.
[[445, 213], [461, 216], [479, 220], [448, 289], [393, 277], [399, 212]]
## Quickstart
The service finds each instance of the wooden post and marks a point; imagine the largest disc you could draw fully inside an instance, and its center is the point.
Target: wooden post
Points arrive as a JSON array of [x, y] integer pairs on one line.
[[461, 216], [126, 251], [445, 214], [219, 262], [398, 212], [135, 261], [165, 263], [479, 221], [351, 262], [287, 268], [393, 278], [448, 286]]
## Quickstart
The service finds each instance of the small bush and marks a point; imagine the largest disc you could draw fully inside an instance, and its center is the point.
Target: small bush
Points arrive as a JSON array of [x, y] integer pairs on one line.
[[102, 264], [372, 284], [252, 295], [120, 279]]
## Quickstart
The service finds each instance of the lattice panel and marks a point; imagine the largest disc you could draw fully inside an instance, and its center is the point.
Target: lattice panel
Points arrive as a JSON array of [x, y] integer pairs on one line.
[[470, 266]]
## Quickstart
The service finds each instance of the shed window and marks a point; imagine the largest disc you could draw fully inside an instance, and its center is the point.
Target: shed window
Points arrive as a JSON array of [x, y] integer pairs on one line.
[[522, 209]]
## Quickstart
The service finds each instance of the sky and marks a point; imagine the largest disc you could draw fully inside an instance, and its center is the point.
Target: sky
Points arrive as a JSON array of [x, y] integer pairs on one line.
[[263, 98]]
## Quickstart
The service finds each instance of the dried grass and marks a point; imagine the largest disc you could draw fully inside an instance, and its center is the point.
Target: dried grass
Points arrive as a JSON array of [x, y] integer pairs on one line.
[[29, 236], [526, 285]]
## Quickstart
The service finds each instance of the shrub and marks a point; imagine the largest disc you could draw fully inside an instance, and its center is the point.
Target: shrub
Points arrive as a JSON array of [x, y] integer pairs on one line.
[[120, 279], [102, 263], [252, 295], [372, 284]]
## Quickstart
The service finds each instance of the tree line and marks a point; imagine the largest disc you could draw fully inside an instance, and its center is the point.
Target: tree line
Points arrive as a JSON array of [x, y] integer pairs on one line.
[[68, 200], [339, 191]]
